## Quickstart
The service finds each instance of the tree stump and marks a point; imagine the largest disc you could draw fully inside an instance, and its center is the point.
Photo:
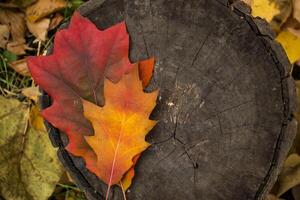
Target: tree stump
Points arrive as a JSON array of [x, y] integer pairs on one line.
[[225, 105]]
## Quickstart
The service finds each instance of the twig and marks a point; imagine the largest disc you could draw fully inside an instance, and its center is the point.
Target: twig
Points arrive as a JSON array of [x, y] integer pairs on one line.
[[39, 48]]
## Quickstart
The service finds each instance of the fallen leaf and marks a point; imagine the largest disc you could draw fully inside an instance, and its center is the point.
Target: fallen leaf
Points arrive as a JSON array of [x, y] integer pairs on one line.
[[265, 9], [36, 120], [127, 178], [20, 66], [55, 21], [15, 21], [120, 126], [249, 2], [76, 70], [4, 35], [285, 7], [271, 197], [296, 10], [39, 28], [43, 8], [17, 47], [146, 68], [23, 3], [29, 167], [294, 31], [291, 45], [289, 176], [293, 26], [32, 93]]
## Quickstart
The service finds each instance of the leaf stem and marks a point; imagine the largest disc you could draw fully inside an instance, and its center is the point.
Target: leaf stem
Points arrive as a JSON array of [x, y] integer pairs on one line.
[[114, 160], [123, 191]]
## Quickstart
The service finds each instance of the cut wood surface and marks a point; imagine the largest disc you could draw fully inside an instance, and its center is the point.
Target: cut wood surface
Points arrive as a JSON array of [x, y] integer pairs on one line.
[[225, 105]]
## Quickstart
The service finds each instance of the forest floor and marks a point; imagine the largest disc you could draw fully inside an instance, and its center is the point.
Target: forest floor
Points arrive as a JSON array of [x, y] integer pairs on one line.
[[27, 28]]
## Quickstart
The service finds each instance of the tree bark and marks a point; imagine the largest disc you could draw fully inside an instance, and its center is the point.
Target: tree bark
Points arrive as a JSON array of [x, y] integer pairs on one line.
[[225, 105]]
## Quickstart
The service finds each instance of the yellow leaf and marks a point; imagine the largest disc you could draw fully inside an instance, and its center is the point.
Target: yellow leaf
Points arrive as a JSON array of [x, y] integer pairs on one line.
[[36, 120], [264, 9], [29, 167], [291, 45]]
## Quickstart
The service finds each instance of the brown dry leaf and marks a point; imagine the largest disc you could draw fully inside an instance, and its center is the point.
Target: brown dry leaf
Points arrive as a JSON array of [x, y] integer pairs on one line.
[[32, 93], [55, 21], [289, 176], [17, 47], [249, 2], [293, 26], [271, 197], [20, 66], [39, 28], [43, 8], [23, 3], [16, 23], [16, 3], [296, 13], [294, 31], [4, 35]]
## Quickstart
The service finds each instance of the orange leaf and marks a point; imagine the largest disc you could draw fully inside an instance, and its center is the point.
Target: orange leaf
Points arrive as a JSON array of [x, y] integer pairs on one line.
[[120, 126], [146, 68], [127, 178]]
